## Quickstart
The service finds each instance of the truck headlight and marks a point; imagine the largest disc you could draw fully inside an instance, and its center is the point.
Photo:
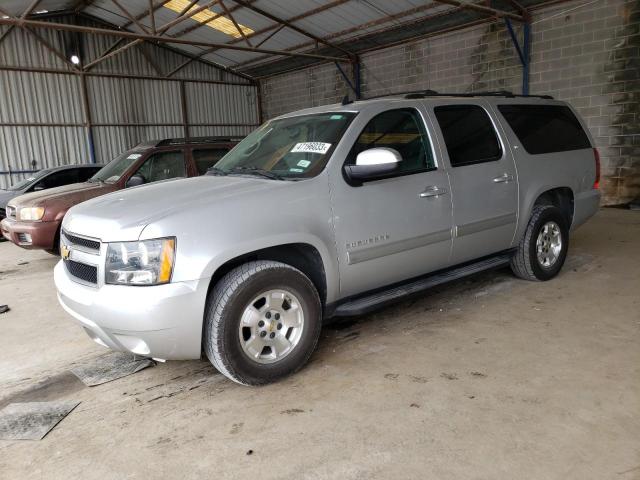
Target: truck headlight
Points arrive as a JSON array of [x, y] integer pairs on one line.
[[149, 262], [31, 213]]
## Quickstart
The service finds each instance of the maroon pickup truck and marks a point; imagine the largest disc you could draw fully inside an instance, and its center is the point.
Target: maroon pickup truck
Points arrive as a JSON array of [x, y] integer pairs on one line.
[[33, 220]]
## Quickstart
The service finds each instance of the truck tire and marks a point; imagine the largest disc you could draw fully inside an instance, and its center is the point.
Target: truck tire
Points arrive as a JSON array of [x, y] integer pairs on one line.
[[543, 248], [262, 322]]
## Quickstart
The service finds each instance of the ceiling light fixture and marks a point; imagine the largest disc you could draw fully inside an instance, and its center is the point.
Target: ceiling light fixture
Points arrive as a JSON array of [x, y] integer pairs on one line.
[[211, 18], [75, 59]]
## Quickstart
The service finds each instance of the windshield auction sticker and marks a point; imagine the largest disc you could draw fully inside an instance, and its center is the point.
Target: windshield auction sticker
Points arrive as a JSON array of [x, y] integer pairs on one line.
[[312, 147]]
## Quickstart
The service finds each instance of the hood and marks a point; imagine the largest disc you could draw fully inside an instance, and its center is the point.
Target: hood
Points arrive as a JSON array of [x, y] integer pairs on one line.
[[58, 200], [122, 215], [5, 196]]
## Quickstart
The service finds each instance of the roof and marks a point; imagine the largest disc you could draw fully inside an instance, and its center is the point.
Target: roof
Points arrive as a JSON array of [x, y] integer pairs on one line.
[[428, 96], [252, 31], [80, 165]]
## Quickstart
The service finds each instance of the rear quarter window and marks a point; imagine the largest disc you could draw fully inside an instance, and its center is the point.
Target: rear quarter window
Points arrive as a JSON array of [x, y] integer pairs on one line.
[[545, 128]]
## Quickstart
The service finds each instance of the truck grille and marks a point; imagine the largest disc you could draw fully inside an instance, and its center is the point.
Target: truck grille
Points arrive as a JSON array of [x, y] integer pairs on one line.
[[86, 243], [82, 271]]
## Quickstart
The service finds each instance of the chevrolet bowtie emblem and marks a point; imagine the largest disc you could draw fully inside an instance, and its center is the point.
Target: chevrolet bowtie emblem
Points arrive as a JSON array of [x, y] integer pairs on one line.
[[65, 252]]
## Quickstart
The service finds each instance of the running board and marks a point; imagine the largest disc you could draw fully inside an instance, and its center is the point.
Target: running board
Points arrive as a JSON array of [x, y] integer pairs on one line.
[[366, 304]]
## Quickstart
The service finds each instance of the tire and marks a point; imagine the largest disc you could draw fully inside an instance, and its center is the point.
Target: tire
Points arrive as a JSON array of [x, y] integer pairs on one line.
[[526, 263], [55, 249], [234, 349]]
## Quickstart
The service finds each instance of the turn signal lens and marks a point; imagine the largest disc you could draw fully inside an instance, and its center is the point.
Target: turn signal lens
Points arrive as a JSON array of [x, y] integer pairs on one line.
[[166, 261]]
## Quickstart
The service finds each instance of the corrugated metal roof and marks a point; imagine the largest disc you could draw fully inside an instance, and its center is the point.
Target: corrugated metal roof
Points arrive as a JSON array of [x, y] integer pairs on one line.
[[353, 25]]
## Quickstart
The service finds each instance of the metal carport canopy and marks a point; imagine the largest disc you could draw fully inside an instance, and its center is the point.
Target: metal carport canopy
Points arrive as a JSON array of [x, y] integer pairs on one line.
[[259, 38]]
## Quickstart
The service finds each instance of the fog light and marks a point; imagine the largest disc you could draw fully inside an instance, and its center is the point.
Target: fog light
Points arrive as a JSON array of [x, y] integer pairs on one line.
[[24, 238]]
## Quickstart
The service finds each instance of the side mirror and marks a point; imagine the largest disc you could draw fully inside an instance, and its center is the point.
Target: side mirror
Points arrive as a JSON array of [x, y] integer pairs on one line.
[[135, 181], [373, 164]]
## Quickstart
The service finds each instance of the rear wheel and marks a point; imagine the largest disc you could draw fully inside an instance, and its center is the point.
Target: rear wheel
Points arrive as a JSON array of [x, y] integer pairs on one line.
[[543, 248], [262, 323]]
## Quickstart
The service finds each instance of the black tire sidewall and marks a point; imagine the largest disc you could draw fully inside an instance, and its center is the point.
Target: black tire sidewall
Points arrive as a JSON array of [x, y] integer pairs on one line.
[[549, 214], [270, 279]]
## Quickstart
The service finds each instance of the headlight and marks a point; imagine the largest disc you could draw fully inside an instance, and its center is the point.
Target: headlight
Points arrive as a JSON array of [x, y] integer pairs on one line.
[[31, 213], [149, 262]]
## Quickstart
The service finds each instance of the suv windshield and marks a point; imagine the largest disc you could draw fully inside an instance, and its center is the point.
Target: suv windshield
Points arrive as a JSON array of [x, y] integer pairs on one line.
[[112, 171], [27, 182], [295, 147]]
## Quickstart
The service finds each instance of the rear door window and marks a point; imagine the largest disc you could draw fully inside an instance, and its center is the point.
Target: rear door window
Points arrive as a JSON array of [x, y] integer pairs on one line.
[[468, 134], [205, 158], [163, 166], [545, 128]]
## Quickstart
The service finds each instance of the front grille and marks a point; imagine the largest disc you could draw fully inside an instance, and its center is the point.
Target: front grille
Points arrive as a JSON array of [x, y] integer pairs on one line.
[[81, 241], [82, 271], [3, 213], [11, 212]]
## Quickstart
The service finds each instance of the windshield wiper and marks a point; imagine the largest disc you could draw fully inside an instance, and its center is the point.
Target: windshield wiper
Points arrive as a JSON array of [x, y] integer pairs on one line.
[[258, 171], [216, 171]]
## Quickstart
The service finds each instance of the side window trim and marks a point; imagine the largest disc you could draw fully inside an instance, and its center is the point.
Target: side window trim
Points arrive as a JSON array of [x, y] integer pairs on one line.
[[497, 132], [425, 126]]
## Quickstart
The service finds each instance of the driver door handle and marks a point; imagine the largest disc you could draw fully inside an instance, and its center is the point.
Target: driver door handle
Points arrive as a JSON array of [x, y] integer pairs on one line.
[[433, 191], [504, 178]]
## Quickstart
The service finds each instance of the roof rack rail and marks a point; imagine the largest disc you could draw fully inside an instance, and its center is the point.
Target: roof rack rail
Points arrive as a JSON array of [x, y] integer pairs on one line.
[[192, 140], [432, 93]]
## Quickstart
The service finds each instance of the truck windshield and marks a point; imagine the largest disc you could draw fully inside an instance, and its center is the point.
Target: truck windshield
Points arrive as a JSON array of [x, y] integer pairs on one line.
[[289, 148], [113, 171]]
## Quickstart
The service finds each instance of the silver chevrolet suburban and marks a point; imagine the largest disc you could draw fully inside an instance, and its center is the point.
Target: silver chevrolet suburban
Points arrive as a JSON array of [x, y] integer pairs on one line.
[[324, 212]]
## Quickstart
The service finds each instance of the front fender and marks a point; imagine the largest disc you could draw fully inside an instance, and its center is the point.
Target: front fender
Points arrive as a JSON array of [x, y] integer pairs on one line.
[[253, 245]]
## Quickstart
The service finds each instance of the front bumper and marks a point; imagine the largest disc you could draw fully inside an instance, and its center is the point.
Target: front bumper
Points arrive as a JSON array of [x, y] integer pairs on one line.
[[163, 321], [30, 235]]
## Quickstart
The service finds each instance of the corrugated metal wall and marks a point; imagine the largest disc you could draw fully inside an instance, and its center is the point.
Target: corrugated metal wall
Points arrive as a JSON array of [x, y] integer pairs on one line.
[[43, 122]]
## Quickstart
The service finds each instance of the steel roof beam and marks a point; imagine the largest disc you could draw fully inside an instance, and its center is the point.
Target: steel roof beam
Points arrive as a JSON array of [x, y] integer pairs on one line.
[[276, 27], [228, 14], [493, 12], [159, 38], [349, 30], [29, 9], [186, 16], [49, 47], [290, 25], [101, 59], [129, 16], [203, 24], [152, 17], [180, 52]]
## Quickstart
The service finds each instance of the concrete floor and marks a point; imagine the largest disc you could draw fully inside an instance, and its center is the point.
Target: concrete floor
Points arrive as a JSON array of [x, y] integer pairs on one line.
[[486, 378]]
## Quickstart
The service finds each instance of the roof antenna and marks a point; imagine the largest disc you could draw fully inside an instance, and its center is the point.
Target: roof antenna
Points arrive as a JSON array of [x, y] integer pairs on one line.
[[345, 100]]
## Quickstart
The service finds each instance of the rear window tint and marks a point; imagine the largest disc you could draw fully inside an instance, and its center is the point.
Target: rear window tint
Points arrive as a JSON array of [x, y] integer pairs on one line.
[[545, 128], [468, 134]]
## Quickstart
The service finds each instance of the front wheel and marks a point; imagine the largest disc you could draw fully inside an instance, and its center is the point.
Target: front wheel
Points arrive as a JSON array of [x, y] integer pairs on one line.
[[262, 323], [543, 248]]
